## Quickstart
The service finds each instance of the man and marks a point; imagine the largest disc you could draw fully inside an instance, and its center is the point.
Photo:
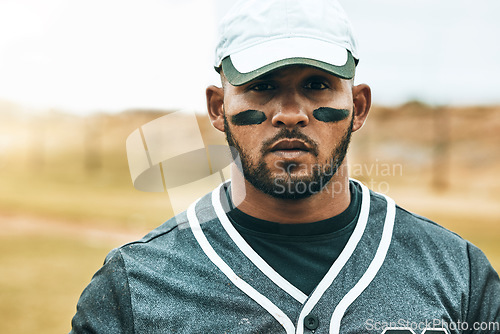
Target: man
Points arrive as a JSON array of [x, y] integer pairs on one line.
[[291, 244]]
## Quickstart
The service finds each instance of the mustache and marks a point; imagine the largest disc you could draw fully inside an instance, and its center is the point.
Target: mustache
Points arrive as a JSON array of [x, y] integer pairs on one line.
[[290, 134]]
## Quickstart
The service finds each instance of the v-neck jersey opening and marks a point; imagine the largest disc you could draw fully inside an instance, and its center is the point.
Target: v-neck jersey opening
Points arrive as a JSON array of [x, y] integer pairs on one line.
[[331, 228]]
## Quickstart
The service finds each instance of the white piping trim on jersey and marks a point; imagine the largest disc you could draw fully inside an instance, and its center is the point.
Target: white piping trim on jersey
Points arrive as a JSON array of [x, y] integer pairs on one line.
[[398, 328], [372, 270], [252, 255], [277, 313], [344, 256]]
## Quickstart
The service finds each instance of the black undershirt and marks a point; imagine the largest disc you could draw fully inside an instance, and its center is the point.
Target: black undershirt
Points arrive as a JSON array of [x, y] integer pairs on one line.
[[301, 253]]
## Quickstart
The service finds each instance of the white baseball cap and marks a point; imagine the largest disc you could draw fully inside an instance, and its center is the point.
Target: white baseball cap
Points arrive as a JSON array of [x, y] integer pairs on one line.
[[259, 36]]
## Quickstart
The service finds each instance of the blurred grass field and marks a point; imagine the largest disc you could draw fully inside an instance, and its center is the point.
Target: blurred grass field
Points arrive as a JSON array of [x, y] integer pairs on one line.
[[66, 197]]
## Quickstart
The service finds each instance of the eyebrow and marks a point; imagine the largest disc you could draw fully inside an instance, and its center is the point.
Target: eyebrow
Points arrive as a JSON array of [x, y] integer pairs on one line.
[[265, 77]]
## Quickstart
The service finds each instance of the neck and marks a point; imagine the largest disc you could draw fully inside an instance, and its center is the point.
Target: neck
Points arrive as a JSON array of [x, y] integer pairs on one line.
[[331, 201]]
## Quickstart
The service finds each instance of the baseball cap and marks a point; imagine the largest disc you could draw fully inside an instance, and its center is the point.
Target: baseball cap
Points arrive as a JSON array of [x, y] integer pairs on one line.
[[259, 36]]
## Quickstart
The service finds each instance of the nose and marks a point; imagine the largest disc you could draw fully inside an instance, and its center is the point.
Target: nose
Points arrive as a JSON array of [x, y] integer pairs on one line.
[[291, 111]]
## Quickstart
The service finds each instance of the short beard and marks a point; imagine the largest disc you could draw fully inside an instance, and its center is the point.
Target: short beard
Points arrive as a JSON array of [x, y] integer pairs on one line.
[[290, 187]]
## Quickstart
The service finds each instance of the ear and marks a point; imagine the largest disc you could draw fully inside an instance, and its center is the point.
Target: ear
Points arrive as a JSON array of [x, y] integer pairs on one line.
[[362, 100], [215, 106]]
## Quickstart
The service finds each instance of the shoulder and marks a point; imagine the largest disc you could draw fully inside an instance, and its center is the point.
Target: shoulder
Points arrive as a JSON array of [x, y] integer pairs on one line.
[[409, 225], [424, 241], [419, 244], [435, 265], [429, 233], [173, 236]]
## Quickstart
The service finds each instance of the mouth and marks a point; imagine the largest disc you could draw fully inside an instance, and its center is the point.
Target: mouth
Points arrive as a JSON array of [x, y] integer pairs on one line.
[[290, 148]]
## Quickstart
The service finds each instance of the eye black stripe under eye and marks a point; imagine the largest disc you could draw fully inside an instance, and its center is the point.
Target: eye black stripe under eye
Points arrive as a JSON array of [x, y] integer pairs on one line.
[[248, 117], [326, 114]]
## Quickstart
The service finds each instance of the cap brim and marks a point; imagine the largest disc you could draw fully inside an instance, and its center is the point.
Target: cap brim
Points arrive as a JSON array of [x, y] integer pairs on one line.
[[237, 78]]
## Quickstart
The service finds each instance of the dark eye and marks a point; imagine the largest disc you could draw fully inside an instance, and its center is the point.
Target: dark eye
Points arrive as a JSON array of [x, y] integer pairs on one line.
[[316, 85], [263, 86]]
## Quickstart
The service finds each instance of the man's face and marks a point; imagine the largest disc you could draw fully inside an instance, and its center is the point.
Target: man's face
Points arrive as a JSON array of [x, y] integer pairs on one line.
[[291, 128]]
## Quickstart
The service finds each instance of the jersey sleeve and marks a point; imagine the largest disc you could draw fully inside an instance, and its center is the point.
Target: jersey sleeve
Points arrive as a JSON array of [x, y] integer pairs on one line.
[[484, 294], [105, 304]]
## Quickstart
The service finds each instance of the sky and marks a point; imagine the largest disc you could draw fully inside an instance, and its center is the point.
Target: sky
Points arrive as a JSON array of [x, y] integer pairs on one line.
[[85, 56]]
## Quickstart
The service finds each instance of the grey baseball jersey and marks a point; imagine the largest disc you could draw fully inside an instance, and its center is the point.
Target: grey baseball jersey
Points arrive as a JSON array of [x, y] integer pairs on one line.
[[196, 274]]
